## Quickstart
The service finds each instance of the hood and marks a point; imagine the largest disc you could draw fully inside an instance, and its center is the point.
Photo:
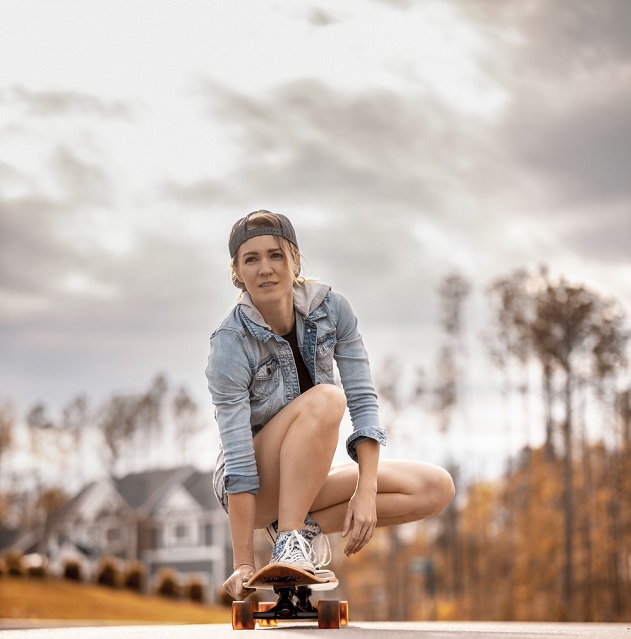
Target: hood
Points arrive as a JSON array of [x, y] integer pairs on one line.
[[307, 297]]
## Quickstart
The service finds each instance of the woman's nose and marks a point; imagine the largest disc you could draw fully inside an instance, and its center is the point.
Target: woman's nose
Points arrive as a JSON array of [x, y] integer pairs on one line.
[[264, 266]]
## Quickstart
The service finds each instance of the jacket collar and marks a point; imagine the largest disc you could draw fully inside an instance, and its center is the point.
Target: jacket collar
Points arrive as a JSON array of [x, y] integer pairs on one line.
[[307, 300]]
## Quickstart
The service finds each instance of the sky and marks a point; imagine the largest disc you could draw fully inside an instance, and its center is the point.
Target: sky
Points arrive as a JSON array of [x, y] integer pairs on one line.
[[405, 140]]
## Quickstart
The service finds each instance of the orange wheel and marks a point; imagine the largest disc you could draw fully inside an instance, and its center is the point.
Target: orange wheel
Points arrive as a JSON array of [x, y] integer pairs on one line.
[[243, 615], [264, 606], [328, 614], [343, 613]]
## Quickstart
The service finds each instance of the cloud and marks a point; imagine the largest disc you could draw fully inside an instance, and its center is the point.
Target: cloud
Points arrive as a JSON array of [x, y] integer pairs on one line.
[[318, 17], [358, 171], [57, 103]]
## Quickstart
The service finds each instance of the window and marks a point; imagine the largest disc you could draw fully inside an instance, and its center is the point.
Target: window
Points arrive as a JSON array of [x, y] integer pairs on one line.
[[182, 533], [208, 535], [112, 536]]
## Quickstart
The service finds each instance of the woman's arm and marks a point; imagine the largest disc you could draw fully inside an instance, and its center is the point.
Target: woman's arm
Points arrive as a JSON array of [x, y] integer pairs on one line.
[[361, 516], [241, 509]]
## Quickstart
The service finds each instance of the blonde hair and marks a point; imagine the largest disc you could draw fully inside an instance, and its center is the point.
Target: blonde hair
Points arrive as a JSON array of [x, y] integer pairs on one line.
[[262, 219]]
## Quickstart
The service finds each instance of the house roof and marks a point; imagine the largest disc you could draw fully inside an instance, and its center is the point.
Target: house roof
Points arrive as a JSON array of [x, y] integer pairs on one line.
[[200, 486], [143, 491]]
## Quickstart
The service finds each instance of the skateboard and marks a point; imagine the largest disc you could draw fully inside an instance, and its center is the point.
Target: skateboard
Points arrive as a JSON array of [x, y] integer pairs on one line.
[[294, 588]]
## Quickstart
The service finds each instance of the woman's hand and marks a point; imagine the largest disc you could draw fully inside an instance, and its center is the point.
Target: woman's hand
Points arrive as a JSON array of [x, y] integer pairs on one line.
[[360, 521], [234, 584]]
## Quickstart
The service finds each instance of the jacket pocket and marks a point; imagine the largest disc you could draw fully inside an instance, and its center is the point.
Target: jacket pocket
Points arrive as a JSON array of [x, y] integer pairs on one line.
[[266, 379], [324, 352]]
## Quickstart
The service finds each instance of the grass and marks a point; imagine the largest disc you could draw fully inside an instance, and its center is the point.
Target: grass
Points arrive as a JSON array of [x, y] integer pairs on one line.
[[24, 598]]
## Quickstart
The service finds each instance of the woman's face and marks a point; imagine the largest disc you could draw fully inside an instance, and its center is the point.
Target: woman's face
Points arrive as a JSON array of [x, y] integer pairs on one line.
[[261, 266]]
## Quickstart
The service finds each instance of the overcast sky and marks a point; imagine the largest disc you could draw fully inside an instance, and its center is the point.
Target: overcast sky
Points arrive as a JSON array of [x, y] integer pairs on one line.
[[405, 139]]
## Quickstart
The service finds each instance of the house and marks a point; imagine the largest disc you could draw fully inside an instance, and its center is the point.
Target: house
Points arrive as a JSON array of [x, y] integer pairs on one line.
[[164, 518]]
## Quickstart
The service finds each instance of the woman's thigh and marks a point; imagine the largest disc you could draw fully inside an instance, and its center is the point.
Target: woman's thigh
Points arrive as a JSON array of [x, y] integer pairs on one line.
[[269, 440], [430, 485]]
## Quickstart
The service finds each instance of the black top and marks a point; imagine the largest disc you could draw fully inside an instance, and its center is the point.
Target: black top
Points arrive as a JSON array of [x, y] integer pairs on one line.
[[303, 373]]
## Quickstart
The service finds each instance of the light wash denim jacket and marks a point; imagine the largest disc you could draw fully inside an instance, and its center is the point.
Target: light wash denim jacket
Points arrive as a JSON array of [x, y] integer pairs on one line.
[[251, 376]]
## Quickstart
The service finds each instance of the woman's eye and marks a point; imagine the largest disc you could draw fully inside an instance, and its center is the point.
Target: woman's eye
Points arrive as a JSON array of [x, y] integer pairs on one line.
[[249, 260], [277, 256]]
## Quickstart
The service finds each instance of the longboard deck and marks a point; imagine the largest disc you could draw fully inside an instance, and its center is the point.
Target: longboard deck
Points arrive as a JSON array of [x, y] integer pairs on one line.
[[279, 575]]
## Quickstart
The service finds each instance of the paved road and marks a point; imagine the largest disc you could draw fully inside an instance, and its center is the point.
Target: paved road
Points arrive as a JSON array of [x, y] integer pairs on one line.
[[429, 630]]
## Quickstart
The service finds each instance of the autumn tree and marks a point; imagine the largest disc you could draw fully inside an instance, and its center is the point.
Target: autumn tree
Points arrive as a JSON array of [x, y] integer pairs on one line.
[[453, 292], [7, 426], [576, 336]]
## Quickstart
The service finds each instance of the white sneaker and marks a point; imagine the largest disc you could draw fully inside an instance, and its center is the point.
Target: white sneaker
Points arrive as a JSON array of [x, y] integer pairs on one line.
[[291, 548], [321, 551], [317, 542]]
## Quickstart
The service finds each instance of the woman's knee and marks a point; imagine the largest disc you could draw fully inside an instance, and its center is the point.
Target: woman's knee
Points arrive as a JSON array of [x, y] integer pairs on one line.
[[435, 490], [326, 402], [441, 489]]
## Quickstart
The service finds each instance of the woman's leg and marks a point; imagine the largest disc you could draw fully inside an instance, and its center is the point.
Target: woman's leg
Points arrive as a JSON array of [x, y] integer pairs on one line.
[[294, 452], [406, 491]]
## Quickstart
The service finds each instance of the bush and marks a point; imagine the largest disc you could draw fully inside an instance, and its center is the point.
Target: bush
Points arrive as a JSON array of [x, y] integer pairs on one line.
[[13, 563], [35, 565], [195, 589], [135, 576], [108, 573], [72, 570], [168, 585]]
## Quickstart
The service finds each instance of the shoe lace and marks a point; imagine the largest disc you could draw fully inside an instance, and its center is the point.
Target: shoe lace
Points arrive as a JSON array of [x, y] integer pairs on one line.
[[320, 551], [294, 548]]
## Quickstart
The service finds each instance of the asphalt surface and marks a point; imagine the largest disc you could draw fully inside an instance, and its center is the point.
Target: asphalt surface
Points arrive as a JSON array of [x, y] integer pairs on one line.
[[423, 630]]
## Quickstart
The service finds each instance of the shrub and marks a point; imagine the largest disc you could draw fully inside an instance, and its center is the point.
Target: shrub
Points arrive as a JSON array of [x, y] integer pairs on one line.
[[72, 570], [168, 585], [108, 573], [13, 563], [35, 565], [135, 576], [195, 589]]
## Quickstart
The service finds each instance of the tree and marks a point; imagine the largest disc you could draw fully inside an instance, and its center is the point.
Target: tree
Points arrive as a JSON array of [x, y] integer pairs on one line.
[[575, 335], [117, 423], [75, 421], [149, 417], [7, 426], [185, 414], [453, 291]]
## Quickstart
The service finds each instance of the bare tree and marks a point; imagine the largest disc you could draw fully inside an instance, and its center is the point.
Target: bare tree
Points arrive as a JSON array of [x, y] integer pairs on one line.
[[76, 422], [116, 420], [149, 418], [185, 414]]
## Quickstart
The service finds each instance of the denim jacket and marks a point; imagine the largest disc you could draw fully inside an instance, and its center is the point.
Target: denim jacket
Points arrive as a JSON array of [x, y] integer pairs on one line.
[[252, 376]]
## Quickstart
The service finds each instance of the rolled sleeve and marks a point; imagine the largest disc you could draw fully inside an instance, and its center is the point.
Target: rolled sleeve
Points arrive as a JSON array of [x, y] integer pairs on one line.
[[354, 367], [235, 484], [362, 434]]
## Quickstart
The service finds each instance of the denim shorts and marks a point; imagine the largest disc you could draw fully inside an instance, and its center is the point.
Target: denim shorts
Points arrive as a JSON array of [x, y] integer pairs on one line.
[[219, 474], [218, 483]]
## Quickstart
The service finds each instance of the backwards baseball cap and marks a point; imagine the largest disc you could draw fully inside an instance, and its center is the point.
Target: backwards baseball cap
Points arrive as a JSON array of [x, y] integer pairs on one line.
[[240, 232]]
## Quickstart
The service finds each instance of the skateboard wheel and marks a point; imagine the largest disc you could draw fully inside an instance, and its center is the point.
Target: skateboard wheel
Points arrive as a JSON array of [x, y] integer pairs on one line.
[[264, 606], [328, 614], [243, 615], [344, 613]]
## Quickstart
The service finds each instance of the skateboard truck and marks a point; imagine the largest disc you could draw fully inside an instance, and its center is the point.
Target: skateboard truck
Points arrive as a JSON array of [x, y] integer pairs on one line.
[[294, 589]]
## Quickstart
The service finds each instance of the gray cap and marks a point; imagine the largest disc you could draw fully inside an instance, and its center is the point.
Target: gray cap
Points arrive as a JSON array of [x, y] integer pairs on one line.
[[240, 233]]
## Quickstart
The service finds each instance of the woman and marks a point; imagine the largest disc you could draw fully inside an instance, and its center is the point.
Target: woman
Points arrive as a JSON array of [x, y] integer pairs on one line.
[[270, 373]]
